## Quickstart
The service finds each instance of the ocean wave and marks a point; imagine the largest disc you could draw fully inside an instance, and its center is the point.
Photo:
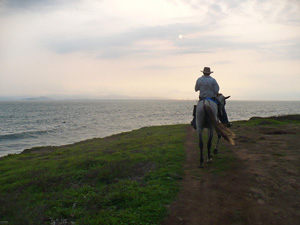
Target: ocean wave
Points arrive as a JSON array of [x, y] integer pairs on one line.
[[25, 135], [71, 121]]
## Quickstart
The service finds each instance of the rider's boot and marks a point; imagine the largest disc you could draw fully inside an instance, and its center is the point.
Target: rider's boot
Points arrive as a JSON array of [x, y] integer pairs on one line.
[[224, 118]]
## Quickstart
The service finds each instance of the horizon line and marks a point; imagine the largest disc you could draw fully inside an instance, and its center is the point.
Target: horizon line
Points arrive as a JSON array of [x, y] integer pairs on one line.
[[117, 98]]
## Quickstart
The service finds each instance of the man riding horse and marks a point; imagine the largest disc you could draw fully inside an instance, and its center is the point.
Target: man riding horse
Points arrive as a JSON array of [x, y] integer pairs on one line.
[[209, 89]]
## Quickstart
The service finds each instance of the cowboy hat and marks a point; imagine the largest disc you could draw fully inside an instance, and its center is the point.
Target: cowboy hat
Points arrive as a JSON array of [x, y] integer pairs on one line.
[[207, 70]]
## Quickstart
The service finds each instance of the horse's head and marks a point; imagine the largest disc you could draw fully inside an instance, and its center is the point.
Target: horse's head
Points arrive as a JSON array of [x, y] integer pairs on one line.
[[222, 98]]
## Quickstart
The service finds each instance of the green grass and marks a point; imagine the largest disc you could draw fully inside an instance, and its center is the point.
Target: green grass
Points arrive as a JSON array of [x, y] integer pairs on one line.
[[273, 120], [127, 178]]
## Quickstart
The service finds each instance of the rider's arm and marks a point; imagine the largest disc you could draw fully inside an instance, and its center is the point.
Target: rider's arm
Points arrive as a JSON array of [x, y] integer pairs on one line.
[[216, 87], [197, 86]]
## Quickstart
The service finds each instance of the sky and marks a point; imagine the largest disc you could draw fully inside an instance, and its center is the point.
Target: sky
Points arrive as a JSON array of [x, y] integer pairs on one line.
[[149, 49]]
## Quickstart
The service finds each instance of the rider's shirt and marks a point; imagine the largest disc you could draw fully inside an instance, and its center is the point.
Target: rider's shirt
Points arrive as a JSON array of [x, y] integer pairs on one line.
[[207, 86]]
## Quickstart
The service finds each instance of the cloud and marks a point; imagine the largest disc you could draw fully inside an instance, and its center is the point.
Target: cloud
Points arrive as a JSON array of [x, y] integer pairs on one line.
[[164, 67], [212, 4], [288, 49], [246, 30], [27, 4], [122, 44], [76, 45], [218, 30], [157, 67], [223, 62], [129, 43], [16, 7]]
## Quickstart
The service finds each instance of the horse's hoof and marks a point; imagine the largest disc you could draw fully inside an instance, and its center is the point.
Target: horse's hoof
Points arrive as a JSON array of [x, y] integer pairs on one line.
[[201, 166], [209, 160], [216, 151]]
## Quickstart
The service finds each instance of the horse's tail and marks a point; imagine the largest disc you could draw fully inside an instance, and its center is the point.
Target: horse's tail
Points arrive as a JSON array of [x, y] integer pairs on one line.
[[226, 133]]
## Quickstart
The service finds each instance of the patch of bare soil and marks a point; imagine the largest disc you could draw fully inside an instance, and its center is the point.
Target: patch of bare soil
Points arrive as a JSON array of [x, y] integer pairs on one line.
[[262, 186]]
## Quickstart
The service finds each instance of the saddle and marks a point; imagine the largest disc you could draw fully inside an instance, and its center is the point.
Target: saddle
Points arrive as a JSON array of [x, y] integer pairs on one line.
[[215, 100]]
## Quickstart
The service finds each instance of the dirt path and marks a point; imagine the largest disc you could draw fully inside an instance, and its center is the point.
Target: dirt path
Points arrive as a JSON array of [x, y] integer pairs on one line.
[[259, 186]]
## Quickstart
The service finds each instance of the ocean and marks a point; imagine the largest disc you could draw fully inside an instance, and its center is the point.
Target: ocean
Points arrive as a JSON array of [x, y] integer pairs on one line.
[[27, 124]]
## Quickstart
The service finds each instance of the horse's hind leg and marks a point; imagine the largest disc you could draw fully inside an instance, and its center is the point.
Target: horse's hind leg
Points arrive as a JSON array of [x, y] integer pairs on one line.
[[216, 150], [201, 148], [210, 137]]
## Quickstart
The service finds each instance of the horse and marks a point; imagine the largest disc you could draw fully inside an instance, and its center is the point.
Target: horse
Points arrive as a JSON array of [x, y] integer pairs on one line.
[[206, 117]]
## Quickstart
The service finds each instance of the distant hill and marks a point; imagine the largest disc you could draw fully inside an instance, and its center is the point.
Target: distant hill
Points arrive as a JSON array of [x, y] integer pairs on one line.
[[42, 98]]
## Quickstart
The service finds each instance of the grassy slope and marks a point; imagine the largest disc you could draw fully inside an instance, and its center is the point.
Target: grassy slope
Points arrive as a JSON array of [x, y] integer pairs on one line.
[[127, 178], [273, 120]]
